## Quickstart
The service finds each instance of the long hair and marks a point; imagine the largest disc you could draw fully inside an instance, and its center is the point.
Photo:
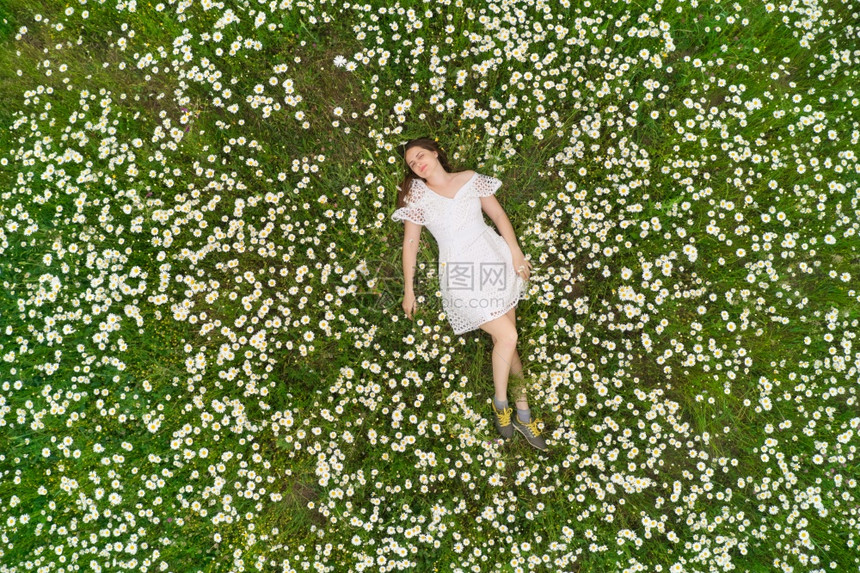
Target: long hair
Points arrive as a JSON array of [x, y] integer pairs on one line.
[[409, 175]]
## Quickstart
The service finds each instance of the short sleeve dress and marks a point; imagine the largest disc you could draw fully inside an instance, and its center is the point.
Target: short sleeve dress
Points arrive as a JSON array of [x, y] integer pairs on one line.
[[476, 273]]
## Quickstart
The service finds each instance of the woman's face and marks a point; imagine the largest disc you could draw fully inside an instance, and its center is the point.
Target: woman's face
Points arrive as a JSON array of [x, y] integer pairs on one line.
[[421, 161]]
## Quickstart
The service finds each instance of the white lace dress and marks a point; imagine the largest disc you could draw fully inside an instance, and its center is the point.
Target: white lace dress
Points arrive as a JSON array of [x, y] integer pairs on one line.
[[476, 272]]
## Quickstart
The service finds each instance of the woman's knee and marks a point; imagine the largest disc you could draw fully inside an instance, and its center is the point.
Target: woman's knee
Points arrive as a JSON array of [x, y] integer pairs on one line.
[[502, 330], [507, 336]]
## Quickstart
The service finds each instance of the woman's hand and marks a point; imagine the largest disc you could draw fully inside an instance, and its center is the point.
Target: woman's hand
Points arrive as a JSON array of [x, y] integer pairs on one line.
[[521, 266], [409, 305]]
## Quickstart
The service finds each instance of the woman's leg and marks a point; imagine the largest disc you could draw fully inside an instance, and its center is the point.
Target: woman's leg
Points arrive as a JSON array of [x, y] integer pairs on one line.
[[504, 333], [504, 348], [517, 366], [505, 358]]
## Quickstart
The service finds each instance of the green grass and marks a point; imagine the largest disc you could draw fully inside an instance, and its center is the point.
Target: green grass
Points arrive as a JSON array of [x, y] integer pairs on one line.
[[297, 421]]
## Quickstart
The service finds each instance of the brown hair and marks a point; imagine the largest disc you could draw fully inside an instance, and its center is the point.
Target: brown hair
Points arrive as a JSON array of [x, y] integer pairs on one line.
[[409, 175]]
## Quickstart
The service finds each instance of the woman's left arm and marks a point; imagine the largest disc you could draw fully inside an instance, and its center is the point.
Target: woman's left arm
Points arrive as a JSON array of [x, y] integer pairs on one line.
[[497, 214]]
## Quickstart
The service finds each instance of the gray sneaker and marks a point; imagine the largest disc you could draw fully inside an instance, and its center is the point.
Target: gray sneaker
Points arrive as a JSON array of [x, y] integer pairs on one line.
[[530, 431], [502, 421]]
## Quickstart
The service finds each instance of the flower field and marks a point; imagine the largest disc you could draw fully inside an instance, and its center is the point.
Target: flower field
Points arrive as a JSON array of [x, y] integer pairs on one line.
[[204, 363]]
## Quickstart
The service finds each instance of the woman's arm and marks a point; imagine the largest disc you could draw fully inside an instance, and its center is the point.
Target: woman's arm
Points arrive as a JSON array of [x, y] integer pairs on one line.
[[494, 211], [411, 237]]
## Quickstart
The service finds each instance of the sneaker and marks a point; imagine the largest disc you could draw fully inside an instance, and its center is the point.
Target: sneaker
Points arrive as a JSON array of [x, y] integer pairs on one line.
[[531, 432], [502, 421]]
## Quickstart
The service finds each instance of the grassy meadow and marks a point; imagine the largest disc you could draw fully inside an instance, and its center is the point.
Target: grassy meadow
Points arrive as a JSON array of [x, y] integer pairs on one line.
[[205, 363]]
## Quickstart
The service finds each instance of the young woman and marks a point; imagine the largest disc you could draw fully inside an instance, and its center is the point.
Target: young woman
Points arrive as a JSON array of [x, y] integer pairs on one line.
[[482, 275]]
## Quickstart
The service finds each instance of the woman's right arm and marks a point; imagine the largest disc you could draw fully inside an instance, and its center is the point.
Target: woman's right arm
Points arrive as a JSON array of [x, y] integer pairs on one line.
[[411, 237]]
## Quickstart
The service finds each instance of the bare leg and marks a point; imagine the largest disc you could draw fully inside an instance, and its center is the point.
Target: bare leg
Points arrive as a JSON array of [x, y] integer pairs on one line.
[[506, 361], [517, 366]]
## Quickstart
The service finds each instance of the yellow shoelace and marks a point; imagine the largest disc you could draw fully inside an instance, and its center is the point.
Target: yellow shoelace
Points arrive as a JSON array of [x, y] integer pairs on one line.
[[504, 416], [533, 426]]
